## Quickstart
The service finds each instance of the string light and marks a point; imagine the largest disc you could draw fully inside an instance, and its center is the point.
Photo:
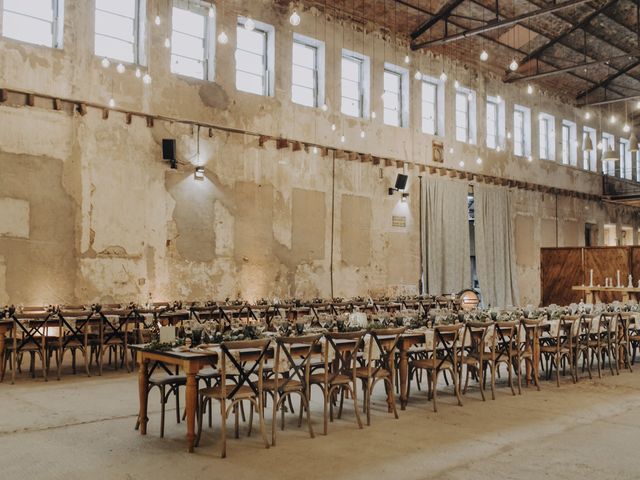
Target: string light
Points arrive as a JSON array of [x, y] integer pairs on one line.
[[167, 42], [157, 21], [120, 68], [211, 12], [374, 115], [529, 89], [484, 56], [587, 115], [138, 73], [479, 161], [406, 59], [294, 19], [456, 84], [418, 75], [443, 76], [249, 24], [342, 138], [324, 107], [613, 119], [146, 79], [513, 66], [333, 127], [626, 128], [362, 134], [112, 102], [105, 62], [461, 164], [222, 38], [530, 159]]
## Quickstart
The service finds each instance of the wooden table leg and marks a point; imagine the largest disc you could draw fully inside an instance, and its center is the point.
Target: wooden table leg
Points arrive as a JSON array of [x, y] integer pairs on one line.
[[404, 374], [192, 399], [143, 393], [3, 331]]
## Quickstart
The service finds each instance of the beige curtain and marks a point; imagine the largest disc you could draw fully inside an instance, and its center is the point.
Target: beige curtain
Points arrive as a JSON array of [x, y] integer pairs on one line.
[[495, 246], [448, 265]]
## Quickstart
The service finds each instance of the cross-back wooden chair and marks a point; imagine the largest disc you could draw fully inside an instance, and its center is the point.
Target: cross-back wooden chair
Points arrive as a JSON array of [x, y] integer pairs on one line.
[[443, 357], [582, 345], [529, 344], [117, 328], [379, 366], [606, 342], [503, 349], [339, 354], [624, 340], [558, 347], [245, 384], [472, 351], [291, 374], [27, 336]]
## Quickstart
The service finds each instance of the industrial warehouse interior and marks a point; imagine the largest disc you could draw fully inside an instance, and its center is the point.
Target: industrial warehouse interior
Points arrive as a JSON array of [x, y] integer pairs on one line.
[[344, 239]]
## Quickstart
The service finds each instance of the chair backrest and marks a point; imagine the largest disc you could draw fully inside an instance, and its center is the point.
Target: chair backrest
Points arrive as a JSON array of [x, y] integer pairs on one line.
[[243, 369], [528, 333], [285, 359], [505, 339], [445, 343], [346, 357], [475, 336]]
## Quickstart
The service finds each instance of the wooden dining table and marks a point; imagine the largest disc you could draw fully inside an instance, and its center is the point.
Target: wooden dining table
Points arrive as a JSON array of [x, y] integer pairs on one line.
[[191, 363]]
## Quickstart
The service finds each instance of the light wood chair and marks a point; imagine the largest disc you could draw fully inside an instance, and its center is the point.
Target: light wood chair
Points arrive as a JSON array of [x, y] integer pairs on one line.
[[558, 349], [472, 351], [240, 380]]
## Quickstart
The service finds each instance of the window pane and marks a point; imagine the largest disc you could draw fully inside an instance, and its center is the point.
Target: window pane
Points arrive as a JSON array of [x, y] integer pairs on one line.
[[126, 8], [350, 90], [42, 9], [250, 83], [27, 29], [187, 46], [303, 76], [114, 26], [303, 96], [114, 48], [350, 107], [351, 69], [391, 82], [249, 62], [187, 66], [252, 41], [187, 22], [304, 55], [391, 118]]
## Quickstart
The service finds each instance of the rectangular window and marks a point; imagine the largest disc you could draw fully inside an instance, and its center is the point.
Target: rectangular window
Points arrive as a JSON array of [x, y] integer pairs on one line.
[[34, 21], [589, 157], [569, 143], [521, 131], [547, 136], [254, 58], [608, 141], [119, 30], [354, 84], [306, 73], [492, 123], [395, 96], [432, 106], [625, 159], [192, 40], [465, 115]]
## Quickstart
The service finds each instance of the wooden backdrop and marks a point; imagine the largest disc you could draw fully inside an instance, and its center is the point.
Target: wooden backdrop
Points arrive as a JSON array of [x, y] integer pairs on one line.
[[562, 268]]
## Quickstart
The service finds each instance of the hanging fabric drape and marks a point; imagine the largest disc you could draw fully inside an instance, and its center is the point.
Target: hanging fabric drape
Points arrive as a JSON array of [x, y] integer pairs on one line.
[[495, 246], [448, 264]]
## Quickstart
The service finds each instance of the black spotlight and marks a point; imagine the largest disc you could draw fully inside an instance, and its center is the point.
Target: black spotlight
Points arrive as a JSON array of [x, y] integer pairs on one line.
[[169, 151], [401, 183]]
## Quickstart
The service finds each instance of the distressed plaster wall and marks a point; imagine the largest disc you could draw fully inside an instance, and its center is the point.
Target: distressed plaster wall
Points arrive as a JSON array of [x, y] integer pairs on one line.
[[108, 221]]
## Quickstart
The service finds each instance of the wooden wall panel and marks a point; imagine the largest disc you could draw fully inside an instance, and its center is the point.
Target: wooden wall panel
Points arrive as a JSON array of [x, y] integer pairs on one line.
[[635, 264], [605, 261], [560, 269]]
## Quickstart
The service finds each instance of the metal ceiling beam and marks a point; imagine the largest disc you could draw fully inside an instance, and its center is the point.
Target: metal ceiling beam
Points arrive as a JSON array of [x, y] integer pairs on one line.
[[559, 71], [608, 102], [582, 23], [608, 80], [442, 14], [496, 24]]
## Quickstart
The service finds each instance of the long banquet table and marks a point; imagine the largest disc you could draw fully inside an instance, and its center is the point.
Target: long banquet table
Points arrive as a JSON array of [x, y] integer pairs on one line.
[[191, 363]]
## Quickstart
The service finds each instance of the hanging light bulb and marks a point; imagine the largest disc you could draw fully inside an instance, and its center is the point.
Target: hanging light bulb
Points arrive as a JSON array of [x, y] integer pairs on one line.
[[406, 59], [456, 84], [120, 68], [499, 99], [105, 62], [529, 89], [443, 76], [599, 145], [146, 79], [461, 163], [530, 159], [324, 107], [167, 42], [470, 96], [157, 21], [626, 128], [633, 142], [373, 115], [333, 127], [418, 75], [342, 138], [612, 119], [450, 149], [138, 73], [362, 134], [587, 115], [479, 161], [294, 19], [498, 148], [222, 38], [211, 12], [513, 66], [484, 55], [315, 150], [638, 104], [249, 24], [112, 102], [509, 135]]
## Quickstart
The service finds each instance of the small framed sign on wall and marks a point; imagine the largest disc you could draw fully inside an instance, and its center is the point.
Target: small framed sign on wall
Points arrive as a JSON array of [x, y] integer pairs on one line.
[[399, 221], [437, 151]]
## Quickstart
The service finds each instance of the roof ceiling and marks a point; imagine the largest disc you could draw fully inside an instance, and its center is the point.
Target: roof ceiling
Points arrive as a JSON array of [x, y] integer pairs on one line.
[[586, 32]]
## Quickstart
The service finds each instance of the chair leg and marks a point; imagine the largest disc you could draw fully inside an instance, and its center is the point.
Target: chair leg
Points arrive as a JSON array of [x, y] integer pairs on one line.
[[223, 429], [456, 387], [260, 407], [493, 380], [163, 401], [236, 411], [305, 402], [434, 382], [274, 418], [327, 399], [201, 401], [353, 391], [177, 393]]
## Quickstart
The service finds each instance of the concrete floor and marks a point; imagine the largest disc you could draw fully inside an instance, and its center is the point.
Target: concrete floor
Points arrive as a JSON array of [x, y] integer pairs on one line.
[[83, 428]]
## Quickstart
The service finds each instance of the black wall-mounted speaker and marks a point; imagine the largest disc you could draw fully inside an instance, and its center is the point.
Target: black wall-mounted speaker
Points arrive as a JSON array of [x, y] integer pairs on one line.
[[401, 181], [169, 149]]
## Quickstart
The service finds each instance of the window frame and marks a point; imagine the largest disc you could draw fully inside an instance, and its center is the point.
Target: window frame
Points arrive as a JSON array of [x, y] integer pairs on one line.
[[498, 103], [571, 148], [268, 56], [546, 148], [438, 105], [625, 154], [363, 82], [470, 114], [526, 130], [139, 31], [318, 71], [57, 26], [403, 94], [200, 8]]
